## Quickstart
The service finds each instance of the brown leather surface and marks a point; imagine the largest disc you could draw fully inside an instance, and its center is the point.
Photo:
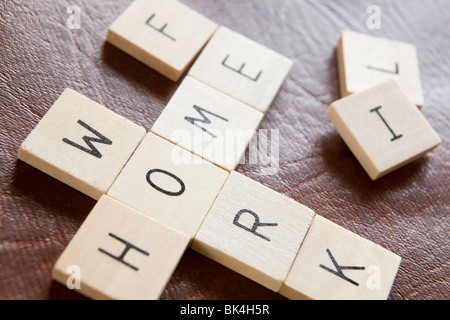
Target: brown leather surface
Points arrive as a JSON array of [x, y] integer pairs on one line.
[[406, 212]]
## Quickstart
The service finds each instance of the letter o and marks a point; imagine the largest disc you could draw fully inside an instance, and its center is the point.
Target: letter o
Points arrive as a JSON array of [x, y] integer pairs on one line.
[[169, 193]]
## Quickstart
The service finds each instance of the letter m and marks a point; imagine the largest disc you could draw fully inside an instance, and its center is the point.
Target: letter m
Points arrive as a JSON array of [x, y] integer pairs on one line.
[[204, 120], [92, 150]]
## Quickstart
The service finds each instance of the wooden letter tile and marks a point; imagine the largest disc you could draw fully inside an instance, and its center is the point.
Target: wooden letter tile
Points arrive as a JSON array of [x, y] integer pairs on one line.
[[241, 68], [383, 128], [336, 264], [82, 144], [163, 34], [209, 123], [254, 231], [120, 254], [169, 184], [366, 61]]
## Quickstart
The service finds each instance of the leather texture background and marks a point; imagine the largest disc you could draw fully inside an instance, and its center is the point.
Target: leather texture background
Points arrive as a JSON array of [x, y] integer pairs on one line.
[[407, 211]]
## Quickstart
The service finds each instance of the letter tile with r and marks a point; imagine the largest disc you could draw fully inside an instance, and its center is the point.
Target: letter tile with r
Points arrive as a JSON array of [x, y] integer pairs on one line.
[[254, 231]]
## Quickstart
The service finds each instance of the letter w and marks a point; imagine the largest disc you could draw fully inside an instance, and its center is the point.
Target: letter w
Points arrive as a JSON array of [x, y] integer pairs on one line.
[[89, 141], [205, 119]]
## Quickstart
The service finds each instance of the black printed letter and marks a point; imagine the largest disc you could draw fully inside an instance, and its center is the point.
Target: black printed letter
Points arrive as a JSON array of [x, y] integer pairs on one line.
[[205, 119], [161, 30], [169, 193], [255, 79], [397, 70], [128, 247], [256, 223], [376, 110], [338, 272], [93, 150]]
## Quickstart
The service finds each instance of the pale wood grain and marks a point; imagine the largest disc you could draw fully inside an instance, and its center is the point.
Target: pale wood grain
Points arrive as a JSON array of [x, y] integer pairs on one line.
[[169, 184], [263, 253], [58, 144], [365, 61], [102, 276], [383, 128], [370, 276], [163, 34], [242, 68], [209, 123]]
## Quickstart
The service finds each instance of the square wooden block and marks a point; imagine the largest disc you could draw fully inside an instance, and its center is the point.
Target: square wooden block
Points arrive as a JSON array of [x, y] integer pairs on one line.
[[365, 61], [165, 35], [254, 231], [120, 254], [82, 144], [336, 264], [242, 68], [169, 184], [209, 123], [383, 128]]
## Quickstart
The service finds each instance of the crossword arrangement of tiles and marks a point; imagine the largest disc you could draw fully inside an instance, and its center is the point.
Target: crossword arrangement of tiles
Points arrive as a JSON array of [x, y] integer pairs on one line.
[[151, 208]]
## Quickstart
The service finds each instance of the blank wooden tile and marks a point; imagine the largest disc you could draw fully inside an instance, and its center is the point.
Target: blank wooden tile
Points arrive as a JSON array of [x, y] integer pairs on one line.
[[163, 34], [81, 143], [365, 61], [120, 254], [209, 123], [242, 68], [383, 128], [253, 230], [336, 264], [169, 184]]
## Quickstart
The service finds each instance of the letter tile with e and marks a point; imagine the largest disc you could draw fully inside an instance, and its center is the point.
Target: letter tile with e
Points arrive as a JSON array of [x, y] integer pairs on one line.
[[241, 68], [254, 231]]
